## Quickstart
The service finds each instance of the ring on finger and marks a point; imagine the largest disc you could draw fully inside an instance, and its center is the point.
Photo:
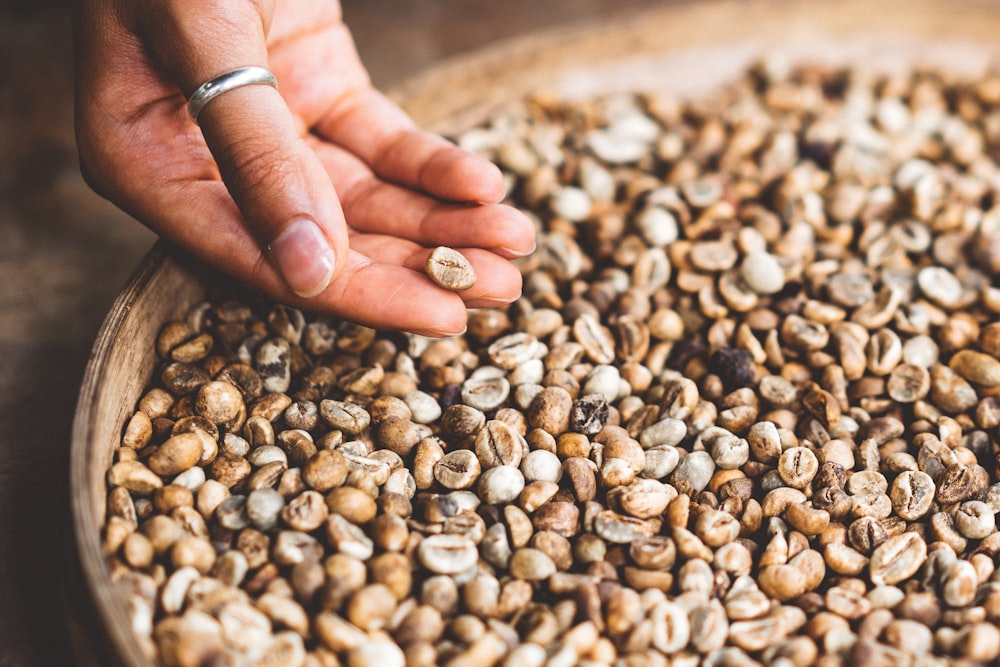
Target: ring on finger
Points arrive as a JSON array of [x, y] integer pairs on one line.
[[244, 76]]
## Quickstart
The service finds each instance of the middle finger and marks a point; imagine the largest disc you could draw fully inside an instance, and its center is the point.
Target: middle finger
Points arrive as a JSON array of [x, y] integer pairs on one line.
[[374, 206]]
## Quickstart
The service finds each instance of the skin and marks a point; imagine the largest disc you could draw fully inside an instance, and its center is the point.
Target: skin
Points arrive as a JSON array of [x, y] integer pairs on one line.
[[322, 194]]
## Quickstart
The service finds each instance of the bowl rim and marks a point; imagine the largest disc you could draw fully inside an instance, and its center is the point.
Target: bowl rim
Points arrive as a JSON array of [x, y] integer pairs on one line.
[[105, 615]]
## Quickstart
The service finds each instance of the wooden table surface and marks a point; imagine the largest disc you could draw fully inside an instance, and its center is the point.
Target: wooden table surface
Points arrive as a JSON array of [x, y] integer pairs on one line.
[[65, 254]]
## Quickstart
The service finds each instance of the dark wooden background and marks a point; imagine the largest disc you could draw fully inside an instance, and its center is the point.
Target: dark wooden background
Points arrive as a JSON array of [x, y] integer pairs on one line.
[[65, 254]]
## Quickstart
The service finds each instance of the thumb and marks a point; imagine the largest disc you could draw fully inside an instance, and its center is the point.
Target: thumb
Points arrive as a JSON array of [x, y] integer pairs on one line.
[[281, 188]]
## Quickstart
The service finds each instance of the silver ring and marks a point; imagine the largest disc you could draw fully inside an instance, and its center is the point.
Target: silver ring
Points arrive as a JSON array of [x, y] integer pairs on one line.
[[208, 91]]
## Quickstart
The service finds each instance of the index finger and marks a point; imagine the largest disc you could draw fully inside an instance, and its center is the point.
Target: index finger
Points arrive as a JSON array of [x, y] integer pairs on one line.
[[383, 136]]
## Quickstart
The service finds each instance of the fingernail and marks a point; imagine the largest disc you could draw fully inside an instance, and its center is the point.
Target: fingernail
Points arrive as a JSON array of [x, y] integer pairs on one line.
[[490, 302], [520, 253], [439, 333], [304, 258]]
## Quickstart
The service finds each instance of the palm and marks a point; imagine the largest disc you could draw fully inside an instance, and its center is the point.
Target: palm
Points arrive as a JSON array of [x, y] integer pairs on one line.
[[391, 180]]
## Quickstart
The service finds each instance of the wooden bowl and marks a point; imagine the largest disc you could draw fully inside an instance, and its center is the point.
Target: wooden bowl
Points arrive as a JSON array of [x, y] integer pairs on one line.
[[686, 49]]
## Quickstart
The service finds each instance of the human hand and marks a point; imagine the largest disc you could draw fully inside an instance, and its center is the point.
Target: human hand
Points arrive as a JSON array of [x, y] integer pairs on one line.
[[322, 194]]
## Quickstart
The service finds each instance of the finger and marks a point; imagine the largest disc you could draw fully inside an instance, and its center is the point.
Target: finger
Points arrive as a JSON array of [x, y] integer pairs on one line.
[[376, 130], [390, 296], [496, 227], [498, 282], [376, 294], [377, 207], [280, 187], [325, 67]]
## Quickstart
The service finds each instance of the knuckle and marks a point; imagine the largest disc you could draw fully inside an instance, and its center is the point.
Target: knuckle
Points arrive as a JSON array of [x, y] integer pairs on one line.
[[250, 167], [100, 170], [92, 176]]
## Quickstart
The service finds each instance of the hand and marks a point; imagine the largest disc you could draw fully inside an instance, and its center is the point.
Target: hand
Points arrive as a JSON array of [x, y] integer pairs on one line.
[[322, 193]]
